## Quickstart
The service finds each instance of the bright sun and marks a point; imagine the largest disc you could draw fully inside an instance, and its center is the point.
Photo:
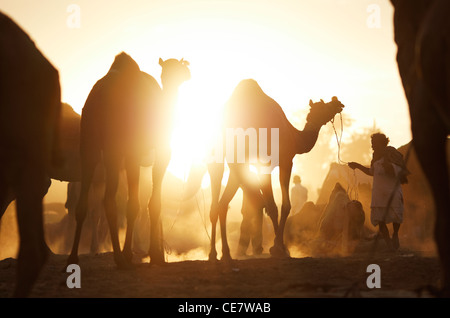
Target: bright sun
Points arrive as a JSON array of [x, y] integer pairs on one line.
[[196, 121]]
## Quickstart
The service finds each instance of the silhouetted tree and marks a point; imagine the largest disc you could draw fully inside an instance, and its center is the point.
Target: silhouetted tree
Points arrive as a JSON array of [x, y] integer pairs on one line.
[[358, 146]]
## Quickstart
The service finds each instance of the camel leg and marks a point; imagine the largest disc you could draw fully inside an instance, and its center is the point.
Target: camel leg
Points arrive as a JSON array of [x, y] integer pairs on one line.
[[6, 197], [254, 204], [95, 218], [112, 167], [433, 161], [430, 147], [429, 140], [228, 194], [156, 251], [269, 201], [215, 173], [4, 194], [133, 170], [33, 251], [251, 226], [95, 213], [246, 225], [87, 173], [271, 206], [279, 250], [257, 231]]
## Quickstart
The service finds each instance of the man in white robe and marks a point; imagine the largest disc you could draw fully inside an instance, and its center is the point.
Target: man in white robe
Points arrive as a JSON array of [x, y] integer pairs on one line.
[[389, 173]]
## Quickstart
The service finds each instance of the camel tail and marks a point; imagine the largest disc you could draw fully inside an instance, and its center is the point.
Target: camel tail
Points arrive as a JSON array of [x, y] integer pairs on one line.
[[194, 181]]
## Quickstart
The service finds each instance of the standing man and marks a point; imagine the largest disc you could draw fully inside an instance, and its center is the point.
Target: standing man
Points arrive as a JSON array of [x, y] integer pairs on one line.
[[389, 172]]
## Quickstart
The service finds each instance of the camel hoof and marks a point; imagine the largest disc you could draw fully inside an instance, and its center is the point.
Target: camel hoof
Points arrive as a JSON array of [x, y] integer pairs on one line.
[[258, 251], [158, 261], [122, 262], [73, 259], [226, 258], [395, 242], [279, 251], [212, 257], [128, 255], [157, 258]]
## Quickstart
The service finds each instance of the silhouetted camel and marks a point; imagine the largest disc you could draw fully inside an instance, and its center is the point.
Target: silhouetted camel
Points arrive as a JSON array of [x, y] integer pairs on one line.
[[69, 147], [174, 73], [422, 35], [30, 102], [342, 221], [250, 107], [125, 116]]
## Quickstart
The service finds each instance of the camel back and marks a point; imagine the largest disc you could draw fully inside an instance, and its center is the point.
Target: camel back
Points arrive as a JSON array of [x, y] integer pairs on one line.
[[30, 97], [249, 106]]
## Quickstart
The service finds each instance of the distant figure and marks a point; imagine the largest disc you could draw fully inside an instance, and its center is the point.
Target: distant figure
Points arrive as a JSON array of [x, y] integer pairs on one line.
[[389, 172], [299, 195]]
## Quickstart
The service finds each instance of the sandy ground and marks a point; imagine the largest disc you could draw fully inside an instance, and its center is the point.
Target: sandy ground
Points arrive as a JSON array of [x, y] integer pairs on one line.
[[404, 274]]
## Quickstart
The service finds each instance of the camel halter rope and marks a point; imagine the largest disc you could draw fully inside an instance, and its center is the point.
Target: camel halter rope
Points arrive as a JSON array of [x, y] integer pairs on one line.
[[354, 186], [339, 139]]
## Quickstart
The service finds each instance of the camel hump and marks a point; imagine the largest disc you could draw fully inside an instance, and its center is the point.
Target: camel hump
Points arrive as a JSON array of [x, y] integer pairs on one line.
[[123, 62], [247, 89], [11, 30], [250, 106], [249, 94], [17, 46]]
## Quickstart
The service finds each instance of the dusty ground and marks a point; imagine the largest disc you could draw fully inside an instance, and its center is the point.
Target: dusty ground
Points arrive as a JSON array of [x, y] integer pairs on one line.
[[403, 274]]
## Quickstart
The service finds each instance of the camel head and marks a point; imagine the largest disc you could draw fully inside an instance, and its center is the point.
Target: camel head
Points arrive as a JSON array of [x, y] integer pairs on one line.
[[174, 72], [321, 112]]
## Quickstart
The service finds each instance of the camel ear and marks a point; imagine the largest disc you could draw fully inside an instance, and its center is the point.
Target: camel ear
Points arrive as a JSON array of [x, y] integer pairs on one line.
[[161, 62], [311, 102], [321, 100]]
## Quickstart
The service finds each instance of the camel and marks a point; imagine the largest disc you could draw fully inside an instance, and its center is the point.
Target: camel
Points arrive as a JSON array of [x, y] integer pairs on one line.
[[342, 221], [125, 116], [422, 38], [69, 168], [29, 120], [250, 107]]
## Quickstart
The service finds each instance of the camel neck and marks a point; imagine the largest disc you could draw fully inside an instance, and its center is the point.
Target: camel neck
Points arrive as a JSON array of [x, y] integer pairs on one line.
[[306, 139], [170, 89], [170, 94]]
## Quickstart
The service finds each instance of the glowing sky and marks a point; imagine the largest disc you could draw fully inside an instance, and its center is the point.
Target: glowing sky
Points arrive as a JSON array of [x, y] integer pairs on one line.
[[295, 49]]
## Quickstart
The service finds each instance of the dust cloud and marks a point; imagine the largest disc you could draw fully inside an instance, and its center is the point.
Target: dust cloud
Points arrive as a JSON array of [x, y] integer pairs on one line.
[[187, 228]]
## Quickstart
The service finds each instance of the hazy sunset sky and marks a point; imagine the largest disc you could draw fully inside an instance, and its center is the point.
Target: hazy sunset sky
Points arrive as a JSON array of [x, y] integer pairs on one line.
[[296, 49]]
